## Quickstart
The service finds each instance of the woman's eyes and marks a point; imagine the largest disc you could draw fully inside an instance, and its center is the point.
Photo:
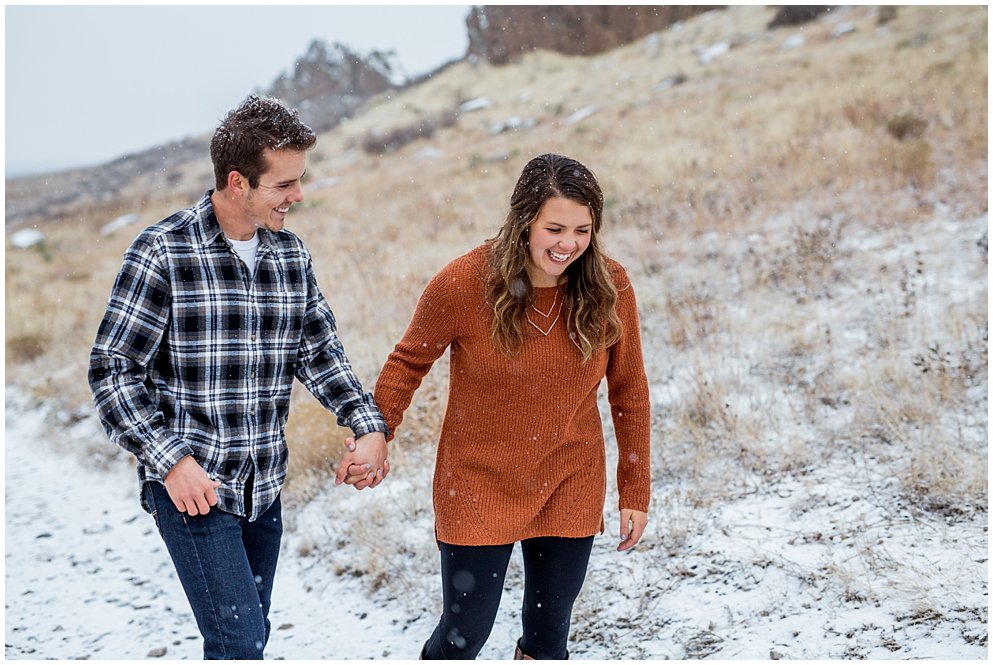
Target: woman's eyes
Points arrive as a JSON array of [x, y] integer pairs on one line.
[[579, 231]]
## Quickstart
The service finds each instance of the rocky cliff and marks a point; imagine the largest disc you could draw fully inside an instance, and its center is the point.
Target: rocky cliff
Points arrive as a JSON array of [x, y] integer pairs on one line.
[[502, 33], [330, 82]]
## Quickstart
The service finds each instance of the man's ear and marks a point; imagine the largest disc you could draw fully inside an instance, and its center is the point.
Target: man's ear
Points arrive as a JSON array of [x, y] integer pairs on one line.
[[237, 183]]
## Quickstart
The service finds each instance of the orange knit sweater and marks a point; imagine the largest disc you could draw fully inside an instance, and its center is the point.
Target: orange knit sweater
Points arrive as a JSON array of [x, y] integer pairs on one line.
[[521, 453]]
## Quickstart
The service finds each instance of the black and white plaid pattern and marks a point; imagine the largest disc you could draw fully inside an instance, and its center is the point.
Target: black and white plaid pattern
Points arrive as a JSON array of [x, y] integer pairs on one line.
[[195, 356]]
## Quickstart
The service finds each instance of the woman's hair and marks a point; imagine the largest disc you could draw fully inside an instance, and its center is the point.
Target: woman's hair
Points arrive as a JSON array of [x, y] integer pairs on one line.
[[589, 305], [240, 141]]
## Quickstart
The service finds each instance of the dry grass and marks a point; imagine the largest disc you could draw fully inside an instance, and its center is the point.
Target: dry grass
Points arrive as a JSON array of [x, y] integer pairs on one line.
[[778, 213]]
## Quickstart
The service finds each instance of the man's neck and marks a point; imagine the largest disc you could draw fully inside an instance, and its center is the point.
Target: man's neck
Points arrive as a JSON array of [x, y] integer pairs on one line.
[[229, 218]]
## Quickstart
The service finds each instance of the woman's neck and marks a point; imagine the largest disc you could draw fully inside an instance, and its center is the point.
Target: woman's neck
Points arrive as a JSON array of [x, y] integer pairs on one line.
[[542, 280]]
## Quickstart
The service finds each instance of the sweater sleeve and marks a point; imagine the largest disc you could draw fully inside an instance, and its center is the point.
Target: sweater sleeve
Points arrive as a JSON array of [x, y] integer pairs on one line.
[[431, 330], [630, 405]]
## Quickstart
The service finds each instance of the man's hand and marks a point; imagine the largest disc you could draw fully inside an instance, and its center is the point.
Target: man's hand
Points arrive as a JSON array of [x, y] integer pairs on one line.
[[365, 464], [633, 523], [190, 488]]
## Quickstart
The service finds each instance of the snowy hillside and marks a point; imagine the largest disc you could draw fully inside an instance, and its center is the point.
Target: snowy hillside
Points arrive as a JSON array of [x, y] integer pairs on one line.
[[804, 215]]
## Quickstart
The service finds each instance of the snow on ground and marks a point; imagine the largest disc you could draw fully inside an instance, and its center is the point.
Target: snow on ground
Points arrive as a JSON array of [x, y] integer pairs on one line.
[[87, 575], [815, 566]]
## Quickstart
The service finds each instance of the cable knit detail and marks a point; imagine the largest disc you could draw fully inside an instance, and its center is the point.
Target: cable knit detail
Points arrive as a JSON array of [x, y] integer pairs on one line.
[[521, 452]]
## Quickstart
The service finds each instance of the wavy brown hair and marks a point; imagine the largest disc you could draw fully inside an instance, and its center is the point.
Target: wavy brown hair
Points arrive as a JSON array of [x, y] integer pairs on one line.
[[590, 295]]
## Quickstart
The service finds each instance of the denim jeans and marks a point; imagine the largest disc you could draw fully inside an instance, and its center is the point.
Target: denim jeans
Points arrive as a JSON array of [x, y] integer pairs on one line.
[[226, 565]]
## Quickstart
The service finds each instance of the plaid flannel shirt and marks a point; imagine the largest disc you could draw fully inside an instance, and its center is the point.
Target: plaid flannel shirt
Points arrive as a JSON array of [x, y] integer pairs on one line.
[[196, 356]]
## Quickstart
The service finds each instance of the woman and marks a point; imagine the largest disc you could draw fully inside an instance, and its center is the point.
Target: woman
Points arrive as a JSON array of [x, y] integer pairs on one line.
[[535, 319]]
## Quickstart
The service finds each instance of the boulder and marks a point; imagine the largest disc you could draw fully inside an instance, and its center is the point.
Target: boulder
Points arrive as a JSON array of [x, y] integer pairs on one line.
[[26, 238]]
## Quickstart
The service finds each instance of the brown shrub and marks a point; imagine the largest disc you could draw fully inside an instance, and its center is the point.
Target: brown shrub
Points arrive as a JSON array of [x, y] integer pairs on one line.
[[25, 348], [906, 126], [379, 143]]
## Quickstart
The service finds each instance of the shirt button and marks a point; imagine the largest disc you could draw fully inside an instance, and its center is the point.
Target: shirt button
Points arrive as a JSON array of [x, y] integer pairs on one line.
[[253, 338]]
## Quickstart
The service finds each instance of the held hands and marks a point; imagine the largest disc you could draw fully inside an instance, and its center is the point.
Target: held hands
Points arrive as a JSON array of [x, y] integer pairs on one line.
[[633, 523], [365, 463], [190, 488]]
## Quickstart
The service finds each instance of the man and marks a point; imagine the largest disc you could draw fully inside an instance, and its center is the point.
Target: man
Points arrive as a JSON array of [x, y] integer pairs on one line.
[[216, 309]]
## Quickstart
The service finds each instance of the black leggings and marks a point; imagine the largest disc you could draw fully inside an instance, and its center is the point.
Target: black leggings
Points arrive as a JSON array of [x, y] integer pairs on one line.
[[472, 583]]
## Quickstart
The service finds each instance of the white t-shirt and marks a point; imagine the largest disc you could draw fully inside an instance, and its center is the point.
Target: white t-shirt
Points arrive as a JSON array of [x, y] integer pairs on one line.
[[246, 250]]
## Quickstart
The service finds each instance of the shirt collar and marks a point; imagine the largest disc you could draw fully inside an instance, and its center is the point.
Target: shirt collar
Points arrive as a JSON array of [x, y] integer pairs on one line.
[[210, 228], [206, 219]]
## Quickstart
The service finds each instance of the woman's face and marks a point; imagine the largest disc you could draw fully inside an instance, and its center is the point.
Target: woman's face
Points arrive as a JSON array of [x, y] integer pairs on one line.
[[557, 237]]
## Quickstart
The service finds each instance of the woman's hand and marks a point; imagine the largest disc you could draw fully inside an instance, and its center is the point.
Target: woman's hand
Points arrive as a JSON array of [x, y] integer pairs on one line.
[[633, 523], [365, 463]]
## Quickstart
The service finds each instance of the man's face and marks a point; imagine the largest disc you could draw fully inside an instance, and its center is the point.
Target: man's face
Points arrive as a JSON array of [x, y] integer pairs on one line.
[[279, 187]]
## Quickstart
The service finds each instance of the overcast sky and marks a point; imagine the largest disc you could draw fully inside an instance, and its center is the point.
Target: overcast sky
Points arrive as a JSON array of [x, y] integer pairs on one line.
[[86, 84]]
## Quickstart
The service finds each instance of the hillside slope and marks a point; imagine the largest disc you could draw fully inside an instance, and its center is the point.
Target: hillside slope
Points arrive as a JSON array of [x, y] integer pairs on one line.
[[803, 212]]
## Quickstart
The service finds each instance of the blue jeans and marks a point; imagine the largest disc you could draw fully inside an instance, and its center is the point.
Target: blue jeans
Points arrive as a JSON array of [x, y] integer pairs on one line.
[[226, 565]]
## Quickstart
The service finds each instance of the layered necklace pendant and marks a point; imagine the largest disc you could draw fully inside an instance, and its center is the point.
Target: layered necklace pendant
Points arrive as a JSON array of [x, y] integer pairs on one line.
[[546, 315]]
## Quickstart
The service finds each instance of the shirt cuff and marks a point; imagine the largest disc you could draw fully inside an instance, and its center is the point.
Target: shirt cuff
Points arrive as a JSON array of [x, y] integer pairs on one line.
[[365, 421], [163, 450]]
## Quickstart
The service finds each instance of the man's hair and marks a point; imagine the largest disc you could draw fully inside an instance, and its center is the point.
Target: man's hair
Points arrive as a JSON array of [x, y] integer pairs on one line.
[[240, 141]]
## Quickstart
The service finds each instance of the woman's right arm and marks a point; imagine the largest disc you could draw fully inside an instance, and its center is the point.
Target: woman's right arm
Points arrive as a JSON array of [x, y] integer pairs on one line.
[[432, 329]]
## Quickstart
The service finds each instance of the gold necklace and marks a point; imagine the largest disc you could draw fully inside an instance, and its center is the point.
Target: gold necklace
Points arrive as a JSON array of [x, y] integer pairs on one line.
[[550, 308], [546, 315]]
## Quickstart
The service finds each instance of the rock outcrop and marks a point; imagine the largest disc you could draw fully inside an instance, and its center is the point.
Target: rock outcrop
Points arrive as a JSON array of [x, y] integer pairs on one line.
[[329, 83], [797, 15], [501, 34]]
